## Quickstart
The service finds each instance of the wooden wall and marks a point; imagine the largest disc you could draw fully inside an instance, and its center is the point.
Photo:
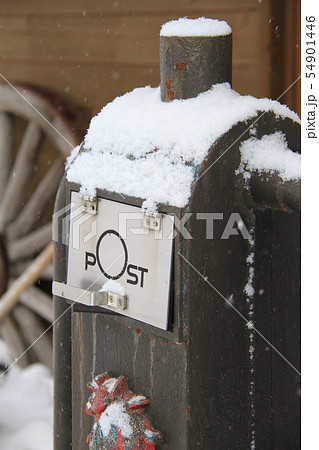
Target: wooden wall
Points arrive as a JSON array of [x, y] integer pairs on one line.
[[285, 51], [93, 50]]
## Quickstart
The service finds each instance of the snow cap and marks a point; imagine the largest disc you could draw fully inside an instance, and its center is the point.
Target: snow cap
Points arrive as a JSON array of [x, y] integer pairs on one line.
[[157, 161], [195, 27]]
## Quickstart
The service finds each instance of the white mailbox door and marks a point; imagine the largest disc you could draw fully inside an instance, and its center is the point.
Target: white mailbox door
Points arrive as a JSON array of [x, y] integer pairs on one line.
[[114, 244]]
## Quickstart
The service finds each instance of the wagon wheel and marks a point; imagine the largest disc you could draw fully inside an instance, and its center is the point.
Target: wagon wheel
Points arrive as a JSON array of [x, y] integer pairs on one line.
[[37, 132]]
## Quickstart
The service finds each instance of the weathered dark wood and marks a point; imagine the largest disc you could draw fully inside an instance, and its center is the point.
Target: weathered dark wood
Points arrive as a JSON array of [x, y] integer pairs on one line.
[[270, 191], [153, 366], [263, 319], [218, 355], [149, 357], [191, 65], [210, 379], [198, 376], [286, 330], [62, 347], [219, 341]]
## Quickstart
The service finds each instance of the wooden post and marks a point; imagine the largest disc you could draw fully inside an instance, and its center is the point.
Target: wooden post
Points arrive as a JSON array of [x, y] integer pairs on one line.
[[193, 64]]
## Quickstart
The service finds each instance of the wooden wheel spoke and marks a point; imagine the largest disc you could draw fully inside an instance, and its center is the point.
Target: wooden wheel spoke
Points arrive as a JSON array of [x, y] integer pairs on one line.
[[32, 330], [21, 173], [3, 267], [20, 266], [47, 273], [39, 302], [6, 144], [30, 244], [10, 333], [25, 205], [45, 190], [31, 274]]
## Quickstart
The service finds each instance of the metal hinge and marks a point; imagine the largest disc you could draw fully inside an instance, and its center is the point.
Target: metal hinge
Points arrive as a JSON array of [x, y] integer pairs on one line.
[[152, 220], [117, 301], [89, 203], [90, 298], [110, 299]]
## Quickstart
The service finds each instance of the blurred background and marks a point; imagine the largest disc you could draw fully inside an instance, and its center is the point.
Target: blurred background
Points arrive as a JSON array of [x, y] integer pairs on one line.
[[92, 51]]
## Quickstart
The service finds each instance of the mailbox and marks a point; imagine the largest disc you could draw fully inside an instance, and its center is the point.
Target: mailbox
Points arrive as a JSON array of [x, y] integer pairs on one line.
[[176, 233]]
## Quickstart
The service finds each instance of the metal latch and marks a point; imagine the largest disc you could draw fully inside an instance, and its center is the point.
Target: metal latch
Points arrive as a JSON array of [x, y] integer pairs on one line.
[[152, 220], [90, 298], [108, 299], [89, 203], [117, 301]]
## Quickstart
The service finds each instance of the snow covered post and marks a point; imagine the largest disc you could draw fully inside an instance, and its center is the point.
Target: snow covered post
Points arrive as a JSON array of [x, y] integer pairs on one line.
[[177, 249], [193, 57]]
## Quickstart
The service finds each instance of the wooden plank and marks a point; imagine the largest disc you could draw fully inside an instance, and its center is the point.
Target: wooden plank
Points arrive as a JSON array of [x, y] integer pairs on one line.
[[73, 51], [129, 39], [263, 323], [285, 52], [263, 42], [286, 318], [111, 344], [28, 7], [292, 53]]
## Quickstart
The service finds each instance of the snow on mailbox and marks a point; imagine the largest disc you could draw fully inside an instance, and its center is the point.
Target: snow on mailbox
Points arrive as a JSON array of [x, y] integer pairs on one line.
[[168, 233]]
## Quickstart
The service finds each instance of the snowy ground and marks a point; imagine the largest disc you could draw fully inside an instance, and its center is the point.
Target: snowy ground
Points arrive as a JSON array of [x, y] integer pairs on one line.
[[26, 406]]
